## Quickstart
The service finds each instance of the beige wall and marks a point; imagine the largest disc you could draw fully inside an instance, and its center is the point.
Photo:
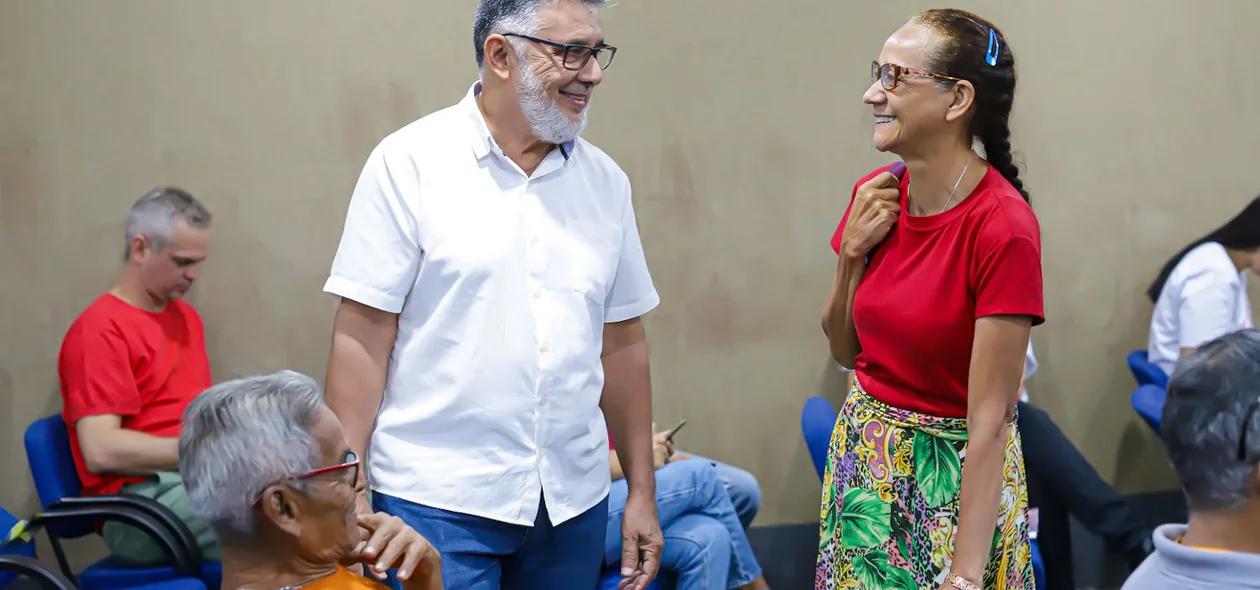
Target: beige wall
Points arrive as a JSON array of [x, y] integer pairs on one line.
[[740, 124]]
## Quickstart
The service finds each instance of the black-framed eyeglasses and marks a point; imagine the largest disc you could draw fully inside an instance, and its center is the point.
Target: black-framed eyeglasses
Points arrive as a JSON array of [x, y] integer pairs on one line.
[[575, 56], [889, 74], [1243, 455]]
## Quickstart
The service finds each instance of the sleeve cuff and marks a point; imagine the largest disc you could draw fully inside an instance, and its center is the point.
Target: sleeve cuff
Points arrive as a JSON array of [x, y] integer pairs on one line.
[[1038, 318], [632, 310], [343, 287], [1198, 339]]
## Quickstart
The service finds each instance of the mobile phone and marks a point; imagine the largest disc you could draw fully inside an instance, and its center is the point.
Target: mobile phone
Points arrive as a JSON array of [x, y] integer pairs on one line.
[[670, 436]]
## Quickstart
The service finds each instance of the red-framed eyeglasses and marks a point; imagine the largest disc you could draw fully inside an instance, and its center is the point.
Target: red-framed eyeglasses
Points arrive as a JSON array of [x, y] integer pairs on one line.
[[350, 467]]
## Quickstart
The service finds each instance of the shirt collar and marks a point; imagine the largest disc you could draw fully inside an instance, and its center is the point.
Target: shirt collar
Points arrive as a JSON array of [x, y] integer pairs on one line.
[[1238, 570], [483, 142]]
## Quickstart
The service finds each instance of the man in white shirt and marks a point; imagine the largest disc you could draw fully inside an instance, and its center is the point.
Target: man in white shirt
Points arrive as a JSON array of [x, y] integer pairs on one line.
[[493, 282]]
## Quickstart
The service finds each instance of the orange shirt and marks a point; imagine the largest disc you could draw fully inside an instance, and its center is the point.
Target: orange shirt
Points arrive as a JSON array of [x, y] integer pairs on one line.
[[344, 579]]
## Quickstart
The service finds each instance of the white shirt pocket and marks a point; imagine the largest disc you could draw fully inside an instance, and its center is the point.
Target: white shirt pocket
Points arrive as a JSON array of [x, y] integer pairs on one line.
[[584, 259]]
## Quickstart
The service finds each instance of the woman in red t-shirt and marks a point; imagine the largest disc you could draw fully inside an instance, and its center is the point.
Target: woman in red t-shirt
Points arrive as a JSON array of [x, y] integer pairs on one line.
[[937, 288]]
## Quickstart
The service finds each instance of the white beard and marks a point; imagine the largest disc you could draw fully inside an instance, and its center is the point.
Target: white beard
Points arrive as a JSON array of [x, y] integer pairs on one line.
[[544, 116]]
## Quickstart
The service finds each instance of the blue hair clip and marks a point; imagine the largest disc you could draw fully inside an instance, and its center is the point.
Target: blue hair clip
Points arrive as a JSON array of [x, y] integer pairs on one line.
[[994, 48]]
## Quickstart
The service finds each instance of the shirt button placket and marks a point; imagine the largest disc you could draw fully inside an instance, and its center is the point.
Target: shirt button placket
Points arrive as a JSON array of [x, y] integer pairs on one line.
[[535, 260]]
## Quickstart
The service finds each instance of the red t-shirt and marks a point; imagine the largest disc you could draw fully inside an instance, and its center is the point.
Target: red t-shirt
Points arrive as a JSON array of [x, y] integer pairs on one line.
[[929, 280], [143, 366]]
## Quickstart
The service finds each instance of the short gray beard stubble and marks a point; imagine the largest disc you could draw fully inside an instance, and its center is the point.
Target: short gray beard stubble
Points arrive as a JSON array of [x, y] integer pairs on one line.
[[546, 120]]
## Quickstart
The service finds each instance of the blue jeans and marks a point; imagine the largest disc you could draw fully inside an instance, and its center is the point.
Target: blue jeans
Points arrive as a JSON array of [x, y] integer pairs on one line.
[[742, 487], [704, 539], [483, 554]]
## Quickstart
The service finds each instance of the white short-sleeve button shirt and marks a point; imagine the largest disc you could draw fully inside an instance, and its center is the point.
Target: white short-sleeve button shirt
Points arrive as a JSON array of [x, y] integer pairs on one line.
[[1204, 298], [503, 283]]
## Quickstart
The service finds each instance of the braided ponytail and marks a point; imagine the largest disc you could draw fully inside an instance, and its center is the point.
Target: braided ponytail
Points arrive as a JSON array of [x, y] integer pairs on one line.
[[975, 50], [996, 138]]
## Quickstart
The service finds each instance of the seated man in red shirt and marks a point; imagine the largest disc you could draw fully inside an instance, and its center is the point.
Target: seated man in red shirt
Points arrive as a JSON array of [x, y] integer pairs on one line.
[[130, 364]]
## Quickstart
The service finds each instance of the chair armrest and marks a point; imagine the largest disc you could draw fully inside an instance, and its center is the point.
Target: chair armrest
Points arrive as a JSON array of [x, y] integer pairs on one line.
[[161, 513], [183, 564], [25, 566]]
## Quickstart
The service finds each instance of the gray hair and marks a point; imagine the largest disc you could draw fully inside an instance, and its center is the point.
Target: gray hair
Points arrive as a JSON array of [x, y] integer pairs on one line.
[[1206, 415], [509, 16], [241, 436], [156, 212]]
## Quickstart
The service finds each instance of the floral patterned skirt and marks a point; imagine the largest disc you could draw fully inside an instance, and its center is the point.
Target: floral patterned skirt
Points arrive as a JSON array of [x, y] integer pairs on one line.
[[890, 502]]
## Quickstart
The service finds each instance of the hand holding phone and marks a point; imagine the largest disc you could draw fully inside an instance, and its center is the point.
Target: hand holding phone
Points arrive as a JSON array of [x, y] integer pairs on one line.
[[670, 437]]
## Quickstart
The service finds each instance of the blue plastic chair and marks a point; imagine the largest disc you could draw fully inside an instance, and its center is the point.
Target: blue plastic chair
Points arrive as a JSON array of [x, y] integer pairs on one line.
[[1144, 371], [13, 566], [1148, 402], [17, 559], [1039, 566], [18, 548], [818, 420], [68, 515]]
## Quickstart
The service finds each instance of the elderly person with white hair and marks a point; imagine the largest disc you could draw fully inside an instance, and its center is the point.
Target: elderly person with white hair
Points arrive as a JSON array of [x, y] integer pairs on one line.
[[267, 465]]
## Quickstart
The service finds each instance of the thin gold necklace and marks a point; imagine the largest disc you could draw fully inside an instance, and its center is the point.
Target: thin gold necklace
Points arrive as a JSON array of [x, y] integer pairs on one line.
[[956, 183]]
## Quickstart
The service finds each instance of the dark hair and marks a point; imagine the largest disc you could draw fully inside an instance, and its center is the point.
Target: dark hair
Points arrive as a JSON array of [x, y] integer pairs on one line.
[[1208, 421], [963, 53], [1240, 233]]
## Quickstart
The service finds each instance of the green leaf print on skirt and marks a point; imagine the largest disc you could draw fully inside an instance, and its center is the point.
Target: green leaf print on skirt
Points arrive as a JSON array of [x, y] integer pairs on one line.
[[872, 570], [830, 520], [937, 469], [864, 520]]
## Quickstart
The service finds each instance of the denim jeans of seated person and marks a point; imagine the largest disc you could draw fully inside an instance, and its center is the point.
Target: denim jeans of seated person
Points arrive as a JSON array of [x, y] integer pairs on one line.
[[705, 542], [742, 486]]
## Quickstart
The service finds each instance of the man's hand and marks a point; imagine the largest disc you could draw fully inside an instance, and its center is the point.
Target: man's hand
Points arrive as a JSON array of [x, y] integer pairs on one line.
[[662, 449], [361, 504], [361, 507], [875, 209], [391, 544], [641, 543]]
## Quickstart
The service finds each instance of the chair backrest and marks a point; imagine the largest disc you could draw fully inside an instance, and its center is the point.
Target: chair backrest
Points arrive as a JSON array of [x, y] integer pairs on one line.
[[1148, 402], [1144, 371], [818, 420], [52, 468]]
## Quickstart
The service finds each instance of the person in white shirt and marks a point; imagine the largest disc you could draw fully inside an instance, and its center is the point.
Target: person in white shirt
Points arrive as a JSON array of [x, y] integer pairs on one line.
[[1201, 293], [492, 284]]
